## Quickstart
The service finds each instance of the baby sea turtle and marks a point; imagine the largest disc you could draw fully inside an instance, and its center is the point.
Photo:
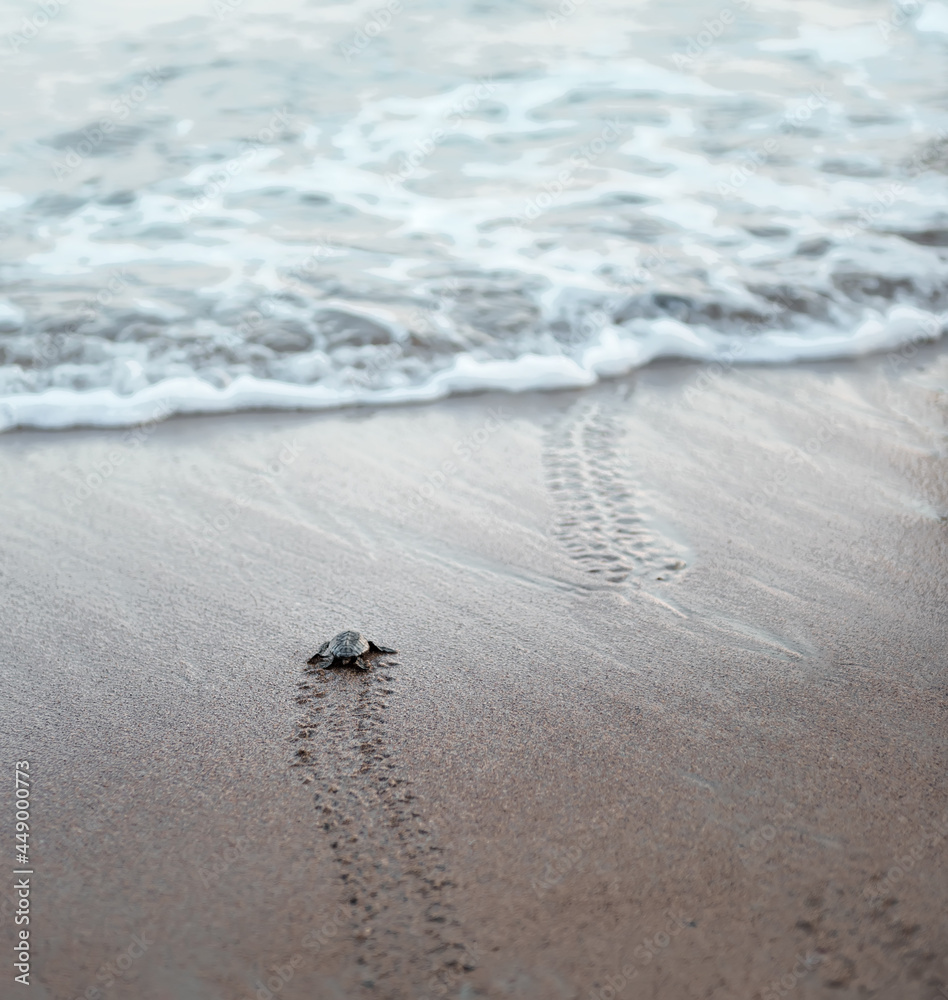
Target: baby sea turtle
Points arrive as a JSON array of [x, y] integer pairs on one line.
[[347, 649]]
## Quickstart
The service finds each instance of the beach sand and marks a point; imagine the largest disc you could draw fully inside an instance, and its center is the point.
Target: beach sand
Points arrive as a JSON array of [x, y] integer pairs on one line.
[[667, 720]]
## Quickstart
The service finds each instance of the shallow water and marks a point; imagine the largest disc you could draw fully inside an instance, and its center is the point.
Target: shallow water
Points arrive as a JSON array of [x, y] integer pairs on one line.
[[229, 204]]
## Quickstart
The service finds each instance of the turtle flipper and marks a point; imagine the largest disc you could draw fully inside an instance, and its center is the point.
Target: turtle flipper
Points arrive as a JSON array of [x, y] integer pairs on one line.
[[320, 653], [376, 648]]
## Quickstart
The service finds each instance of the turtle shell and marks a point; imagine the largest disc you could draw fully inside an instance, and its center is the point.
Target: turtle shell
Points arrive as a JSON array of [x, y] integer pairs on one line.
[[348, 644]]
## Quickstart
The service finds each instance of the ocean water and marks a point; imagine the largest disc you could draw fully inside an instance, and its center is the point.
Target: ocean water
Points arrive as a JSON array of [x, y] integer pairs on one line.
[[216, 205]]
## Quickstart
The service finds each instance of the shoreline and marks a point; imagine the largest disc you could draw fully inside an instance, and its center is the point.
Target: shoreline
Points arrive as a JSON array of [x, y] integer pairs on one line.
[[658, 655], [613, 357]]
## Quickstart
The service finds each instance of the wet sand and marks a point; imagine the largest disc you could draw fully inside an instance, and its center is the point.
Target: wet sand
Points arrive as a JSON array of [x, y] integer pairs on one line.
[[667, 718]]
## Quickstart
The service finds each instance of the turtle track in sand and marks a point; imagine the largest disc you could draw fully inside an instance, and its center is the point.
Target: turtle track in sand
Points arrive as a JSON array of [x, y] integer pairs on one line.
[[392, 872], [599, 519]]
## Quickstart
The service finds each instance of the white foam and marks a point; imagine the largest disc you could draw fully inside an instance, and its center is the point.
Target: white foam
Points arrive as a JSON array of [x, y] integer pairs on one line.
[[934, 17], [617, 350], [452, 210]]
